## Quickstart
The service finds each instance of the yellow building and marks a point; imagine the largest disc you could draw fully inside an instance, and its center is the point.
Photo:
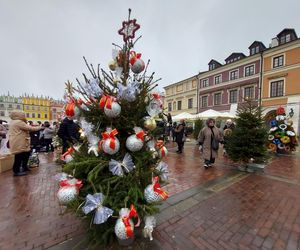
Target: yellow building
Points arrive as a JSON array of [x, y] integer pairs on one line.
[[181, 97], [36, 108], [281, 75]]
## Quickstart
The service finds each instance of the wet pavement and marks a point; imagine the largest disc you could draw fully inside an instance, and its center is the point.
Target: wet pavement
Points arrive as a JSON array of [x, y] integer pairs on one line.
[[218, 208]]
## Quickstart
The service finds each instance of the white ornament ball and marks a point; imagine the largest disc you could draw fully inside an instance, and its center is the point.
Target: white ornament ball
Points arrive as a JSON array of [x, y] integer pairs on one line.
[[107, 149], [138, 66], [150, 195], [114, 111], [67, 194], [134, 144], [154, 108], [120, 229], [68, 158]]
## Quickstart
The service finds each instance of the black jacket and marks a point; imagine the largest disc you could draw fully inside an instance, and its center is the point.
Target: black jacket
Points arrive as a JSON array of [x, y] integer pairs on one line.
[[69, 131]]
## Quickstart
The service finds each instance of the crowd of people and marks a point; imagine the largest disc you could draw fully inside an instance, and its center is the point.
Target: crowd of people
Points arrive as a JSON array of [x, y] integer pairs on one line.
[[26, 137], [23, 138]]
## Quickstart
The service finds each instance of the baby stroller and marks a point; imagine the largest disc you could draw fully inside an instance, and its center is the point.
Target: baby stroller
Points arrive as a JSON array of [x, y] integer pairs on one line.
[[34, 161]]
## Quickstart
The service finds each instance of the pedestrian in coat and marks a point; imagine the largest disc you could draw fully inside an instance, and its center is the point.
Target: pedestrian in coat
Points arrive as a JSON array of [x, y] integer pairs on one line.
[[19, 141], [209, 138], [48, 136], [180, 135], [68, 132]]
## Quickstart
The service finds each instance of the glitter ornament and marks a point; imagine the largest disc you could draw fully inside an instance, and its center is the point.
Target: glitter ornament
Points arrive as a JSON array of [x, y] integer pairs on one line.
[[150, 123], [114, 111], [138, 66], [67, 194], [135, 142], [124, 228], [110, 144], [154, 193]]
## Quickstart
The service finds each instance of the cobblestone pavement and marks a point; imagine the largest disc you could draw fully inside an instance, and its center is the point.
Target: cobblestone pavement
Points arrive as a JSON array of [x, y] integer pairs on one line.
[[218, 208]]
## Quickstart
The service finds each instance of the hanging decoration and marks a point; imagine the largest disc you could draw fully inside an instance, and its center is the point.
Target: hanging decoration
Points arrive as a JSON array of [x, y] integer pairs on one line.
[[154, 193], [118, 168], [110, 143], [136, 142], [68, 191]]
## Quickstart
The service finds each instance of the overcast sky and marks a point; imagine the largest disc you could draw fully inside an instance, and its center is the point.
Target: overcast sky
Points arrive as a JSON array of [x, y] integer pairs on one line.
[[42, 42]]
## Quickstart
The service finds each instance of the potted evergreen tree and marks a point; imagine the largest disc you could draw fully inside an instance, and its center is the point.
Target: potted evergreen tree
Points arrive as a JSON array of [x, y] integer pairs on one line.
[[247, 144]]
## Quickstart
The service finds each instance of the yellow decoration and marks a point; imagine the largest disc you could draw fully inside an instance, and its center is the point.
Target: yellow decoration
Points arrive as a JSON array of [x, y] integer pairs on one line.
[[150, 123], [112, 65], [272, 147], [285, 139]]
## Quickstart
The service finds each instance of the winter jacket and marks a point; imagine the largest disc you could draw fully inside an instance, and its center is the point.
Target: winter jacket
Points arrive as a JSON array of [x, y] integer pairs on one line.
[[68, 131], [205, 139], [48, 133], [18, 133]]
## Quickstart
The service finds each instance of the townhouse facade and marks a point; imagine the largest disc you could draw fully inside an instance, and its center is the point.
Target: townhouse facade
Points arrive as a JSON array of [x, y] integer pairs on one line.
[[281, 76], [56, 110], [36, 108], [181, 96], [9, 103]]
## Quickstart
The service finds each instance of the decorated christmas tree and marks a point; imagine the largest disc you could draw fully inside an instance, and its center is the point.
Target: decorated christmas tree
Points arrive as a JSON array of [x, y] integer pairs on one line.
[[282, 137], [113, 174], [247, 142]]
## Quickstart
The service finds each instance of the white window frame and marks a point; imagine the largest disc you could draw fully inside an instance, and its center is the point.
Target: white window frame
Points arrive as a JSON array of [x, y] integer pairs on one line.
[[219, 92], [202, 81], [220, 75], [247, 67], [237, 96], [249, 86], [206, 101], [276, 80], [238, 75], [278, 55]]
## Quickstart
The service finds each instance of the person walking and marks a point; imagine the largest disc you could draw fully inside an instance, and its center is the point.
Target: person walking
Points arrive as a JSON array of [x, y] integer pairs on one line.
[[227, 131], [48, 136], [180, 135], [68, 132], [19, 141], [209, 138]]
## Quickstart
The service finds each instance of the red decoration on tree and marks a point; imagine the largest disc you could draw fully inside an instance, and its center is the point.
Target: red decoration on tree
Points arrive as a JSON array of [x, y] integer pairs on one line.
[[280, 111], [128, 29]]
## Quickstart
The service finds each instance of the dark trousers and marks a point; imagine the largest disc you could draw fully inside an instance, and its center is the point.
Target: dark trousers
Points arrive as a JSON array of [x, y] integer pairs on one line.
[[48, 143], [211, 160], [21, 160], [180, 145]]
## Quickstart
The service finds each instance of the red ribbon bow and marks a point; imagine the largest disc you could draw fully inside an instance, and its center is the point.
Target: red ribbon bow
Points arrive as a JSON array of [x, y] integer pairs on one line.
[[157, 188], [106, 101], [156, 96], [69, 151], [132, 213], [70, 108], [140, 135], [69, 183], [110, 135], [159, 144], [134, 57]]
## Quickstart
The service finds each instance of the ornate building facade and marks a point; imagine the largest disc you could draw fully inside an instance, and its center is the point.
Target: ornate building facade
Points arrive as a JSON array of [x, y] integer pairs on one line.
[[9, 103], [36, 108]]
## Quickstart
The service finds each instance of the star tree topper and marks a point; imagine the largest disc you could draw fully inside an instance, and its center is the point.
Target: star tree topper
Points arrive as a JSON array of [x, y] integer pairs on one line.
[[128, 29]]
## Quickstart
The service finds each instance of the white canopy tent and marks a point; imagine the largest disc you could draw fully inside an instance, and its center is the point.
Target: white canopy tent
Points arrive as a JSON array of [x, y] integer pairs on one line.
[[210, 113], [227, 115], [183, 115]]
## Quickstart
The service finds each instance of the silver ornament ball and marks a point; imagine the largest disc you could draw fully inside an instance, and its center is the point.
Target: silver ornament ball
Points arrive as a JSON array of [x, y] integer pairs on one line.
[[138, 66], [114, 111], [134, 144], [108, 150], [120, 229], [150, 195], [67, 194]]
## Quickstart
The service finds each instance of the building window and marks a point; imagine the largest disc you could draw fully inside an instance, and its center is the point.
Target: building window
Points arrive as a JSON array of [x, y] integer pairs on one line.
[[217, 79], [33, 108], [27, 107], [249, 71], [27, 115], [33, 115], [212, 66], [2, 113], [178, 105], [233, 96], [217, 99], [46, 116], [285, 39], [204, 101], [10, 106], [256, 49], [190, 103], [248, 92], [205, 83], [276, 88], [18, 106], [252, 51], [234, 75], [277, 61], [1, 105], [39, 115], [169, 106]]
